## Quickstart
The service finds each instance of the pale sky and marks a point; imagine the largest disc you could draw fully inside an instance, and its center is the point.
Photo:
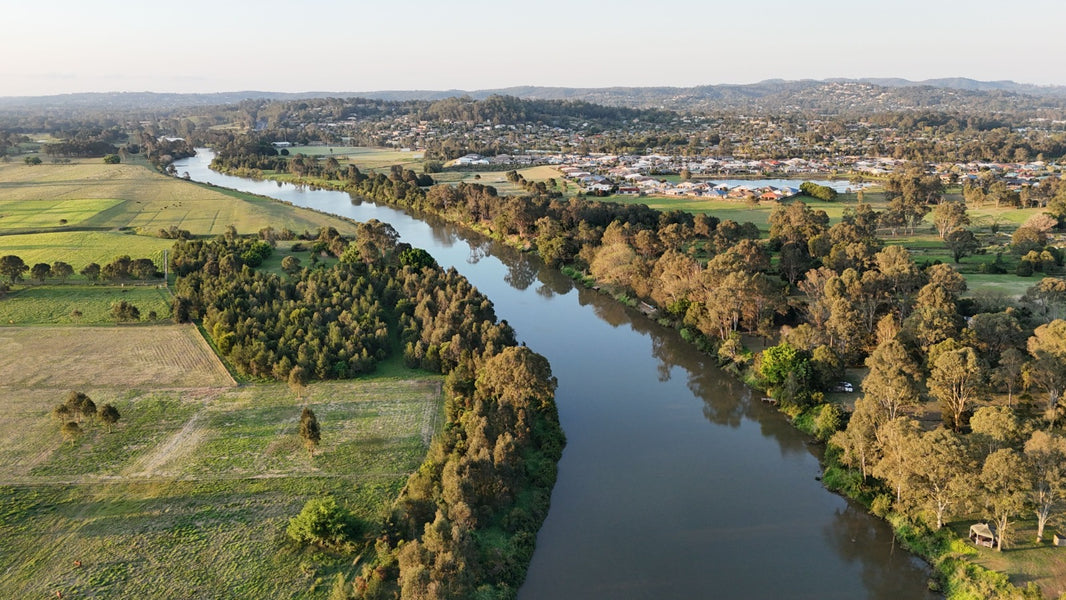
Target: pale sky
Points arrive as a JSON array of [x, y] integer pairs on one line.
[[62, 46]]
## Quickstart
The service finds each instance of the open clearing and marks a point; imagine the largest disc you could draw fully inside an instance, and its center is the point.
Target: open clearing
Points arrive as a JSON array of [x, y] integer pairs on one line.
[[367, 159], [190, 495], [498, 179]]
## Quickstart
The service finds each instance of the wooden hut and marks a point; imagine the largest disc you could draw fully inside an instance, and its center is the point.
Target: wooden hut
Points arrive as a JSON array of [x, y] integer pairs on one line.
[[982, 535]]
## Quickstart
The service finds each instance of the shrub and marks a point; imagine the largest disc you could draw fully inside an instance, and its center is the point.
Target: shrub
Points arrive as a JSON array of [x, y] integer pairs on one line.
[[827, 421], [881, 505], [323, 522]]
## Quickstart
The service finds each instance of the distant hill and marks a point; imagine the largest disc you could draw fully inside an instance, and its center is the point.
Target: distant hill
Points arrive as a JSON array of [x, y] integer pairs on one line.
[[831, 95]]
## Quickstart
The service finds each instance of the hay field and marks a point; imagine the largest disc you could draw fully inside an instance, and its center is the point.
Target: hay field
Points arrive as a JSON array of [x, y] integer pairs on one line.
[[167, 356]]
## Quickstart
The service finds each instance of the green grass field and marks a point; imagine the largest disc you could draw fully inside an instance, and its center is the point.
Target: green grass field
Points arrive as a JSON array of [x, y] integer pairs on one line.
[[56, 304], [79, 248], [1023, 560], [190, 495], [738, 210], [90, 194]]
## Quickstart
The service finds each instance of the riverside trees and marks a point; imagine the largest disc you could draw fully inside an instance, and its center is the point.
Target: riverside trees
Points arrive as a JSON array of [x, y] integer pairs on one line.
[[491, 470]]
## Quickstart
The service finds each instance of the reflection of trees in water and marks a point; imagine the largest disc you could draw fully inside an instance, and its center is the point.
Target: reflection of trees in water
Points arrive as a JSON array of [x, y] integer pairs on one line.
[[477, 252], [610, 311], [886, 567], [520, 273]]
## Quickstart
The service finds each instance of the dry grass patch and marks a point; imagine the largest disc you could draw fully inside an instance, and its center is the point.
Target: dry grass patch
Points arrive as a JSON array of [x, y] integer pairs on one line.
[[166, 356]]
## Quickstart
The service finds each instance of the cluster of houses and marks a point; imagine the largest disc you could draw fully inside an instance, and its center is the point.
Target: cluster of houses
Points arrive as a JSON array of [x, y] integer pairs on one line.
[[631, 182], [637, 174]]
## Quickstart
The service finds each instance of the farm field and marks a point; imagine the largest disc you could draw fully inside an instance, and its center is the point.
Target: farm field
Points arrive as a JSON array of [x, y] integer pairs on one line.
[[363, 157], [498, 179], [168, 356], [88, 194], [189, 496], [80, 304], [79, 248], [738, 210]]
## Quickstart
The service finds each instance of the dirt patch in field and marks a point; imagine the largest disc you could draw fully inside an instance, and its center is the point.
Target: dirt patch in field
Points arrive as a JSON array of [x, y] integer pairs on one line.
[[180, 446]]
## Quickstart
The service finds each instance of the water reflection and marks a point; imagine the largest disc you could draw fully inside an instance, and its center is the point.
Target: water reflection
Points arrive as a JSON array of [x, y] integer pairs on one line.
[[851, 532], [652, 501]]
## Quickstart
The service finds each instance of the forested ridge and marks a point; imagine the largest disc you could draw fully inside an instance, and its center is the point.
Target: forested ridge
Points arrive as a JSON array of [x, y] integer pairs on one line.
[[468, 518]]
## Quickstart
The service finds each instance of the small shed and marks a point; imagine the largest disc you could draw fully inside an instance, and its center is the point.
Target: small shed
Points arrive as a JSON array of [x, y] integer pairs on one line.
[[1059, 539], [982, 535]]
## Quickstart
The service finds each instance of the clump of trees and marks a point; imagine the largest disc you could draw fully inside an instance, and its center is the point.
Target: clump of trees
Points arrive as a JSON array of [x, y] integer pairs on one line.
[[821, 192], [78, 408]]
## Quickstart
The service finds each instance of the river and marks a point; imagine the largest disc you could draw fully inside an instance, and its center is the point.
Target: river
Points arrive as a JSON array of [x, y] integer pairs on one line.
[[675, 481]]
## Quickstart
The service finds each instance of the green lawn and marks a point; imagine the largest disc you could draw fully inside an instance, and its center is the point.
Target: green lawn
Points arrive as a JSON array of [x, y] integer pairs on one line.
[[363, 157], [498, 179], [1005, 285]]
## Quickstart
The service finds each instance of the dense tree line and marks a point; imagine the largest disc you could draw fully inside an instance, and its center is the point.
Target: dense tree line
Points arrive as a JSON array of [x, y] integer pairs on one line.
[[80, 149]]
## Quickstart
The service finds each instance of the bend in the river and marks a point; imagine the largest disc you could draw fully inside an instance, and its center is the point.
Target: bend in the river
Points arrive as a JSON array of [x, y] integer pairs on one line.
[[675, 482]]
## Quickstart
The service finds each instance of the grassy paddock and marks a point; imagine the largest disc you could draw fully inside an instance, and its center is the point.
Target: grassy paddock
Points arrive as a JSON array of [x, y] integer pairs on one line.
[[363, 157], [79, 248], [80, 304], [498, 179], [190, 495], [90, 194]]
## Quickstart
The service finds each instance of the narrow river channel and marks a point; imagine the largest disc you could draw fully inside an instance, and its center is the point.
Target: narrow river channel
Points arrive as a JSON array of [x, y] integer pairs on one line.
[[675, 482]]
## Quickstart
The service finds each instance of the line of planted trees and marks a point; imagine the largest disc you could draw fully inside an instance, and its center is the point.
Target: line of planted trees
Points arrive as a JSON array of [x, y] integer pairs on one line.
[[14, 269], [468, 518]]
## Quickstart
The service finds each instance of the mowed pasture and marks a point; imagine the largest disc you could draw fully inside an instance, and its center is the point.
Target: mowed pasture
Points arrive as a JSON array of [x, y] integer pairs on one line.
[[79, 248], [189, 496], [88, 201]]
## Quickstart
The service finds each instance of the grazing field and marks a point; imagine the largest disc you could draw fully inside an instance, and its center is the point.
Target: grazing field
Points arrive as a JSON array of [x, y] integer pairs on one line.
[[91, 195], [498, 179], [79, 248], [362, 157], [80, 304], [189, 496], [738, 210]]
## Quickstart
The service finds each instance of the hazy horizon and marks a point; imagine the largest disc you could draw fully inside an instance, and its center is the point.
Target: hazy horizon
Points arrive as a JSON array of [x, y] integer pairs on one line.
[[332, 46]]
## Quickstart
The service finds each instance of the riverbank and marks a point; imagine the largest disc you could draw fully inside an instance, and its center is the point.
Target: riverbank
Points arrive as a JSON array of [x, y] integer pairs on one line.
[[638, 427]]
